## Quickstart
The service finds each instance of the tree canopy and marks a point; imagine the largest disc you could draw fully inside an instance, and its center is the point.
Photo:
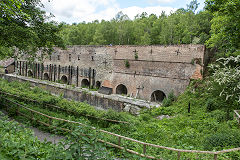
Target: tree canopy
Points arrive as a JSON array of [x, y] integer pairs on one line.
[[23, 25], [225, 28], [180, 27]]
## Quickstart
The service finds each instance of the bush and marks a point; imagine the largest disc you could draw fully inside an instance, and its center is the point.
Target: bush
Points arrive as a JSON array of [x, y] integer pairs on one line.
[[211, 104], [168, 101], [224, 139], [127, 64], [219, 115]]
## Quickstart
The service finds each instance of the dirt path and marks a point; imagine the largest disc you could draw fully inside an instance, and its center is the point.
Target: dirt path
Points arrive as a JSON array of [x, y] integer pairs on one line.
[[41, 135], [45, 135]]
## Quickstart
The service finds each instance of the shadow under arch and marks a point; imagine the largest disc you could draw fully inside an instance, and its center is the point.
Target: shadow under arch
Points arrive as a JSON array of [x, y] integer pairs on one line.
[[45, 76], [98, 84], [64, 79], [121, 89], [30, 73], [157, 96], [85, 83]]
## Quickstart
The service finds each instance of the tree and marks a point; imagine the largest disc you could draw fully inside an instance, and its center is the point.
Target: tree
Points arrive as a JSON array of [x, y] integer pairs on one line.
[[193, 6], [23, 25], [225, 28], [224, 84]]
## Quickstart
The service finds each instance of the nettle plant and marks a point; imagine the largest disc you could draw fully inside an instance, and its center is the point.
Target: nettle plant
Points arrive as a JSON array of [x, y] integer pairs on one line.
[[225, 80]]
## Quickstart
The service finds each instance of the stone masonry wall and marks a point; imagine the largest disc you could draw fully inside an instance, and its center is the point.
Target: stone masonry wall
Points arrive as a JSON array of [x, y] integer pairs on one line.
[[151, 68]]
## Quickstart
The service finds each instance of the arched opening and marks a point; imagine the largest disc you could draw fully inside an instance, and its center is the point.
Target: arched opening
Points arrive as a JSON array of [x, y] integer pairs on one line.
[[30, 74], [157, 96], [64, 79], [45, 76], [121, 89], [85, 83], [98, 84]]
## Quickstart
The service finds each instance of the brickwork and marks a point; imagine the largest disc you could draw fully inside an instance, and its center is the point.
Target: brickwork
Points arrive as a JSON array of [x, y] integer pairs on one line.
[[151, 68]]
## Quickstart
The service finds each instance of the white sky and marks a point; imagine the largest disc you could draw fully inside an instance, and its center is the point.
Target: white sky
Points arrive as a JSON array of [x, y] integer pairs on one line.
[[71, 11]]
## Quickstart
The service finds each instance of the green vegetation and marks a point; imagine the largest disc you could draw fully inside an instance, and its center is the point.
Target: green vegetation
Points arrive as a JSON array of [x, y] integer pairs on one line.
[[24, 25], [206, 124], [17, 142], [225, 26], [136, 56], [200, 129], [183, 26], [127, 64]]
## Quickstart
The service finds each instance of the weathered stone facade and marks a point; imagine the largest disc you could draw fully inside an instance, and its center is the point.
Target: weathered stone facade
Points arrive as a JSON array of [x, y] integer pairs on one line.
[[144, 72]]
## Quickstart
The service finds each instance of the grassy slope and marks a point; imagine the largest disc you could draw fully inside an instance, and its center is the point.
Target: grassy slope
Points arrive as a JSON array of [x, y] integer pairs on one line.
[[198, 129]]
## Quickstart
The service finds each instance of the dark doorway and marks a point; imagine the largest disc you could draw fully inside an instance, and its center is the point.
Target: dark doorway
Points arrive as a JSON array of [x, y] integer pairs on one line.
[[157, 96], [121, 89], [64, 79], [30, 73], [98, 84], [45, 76], [85, 83]]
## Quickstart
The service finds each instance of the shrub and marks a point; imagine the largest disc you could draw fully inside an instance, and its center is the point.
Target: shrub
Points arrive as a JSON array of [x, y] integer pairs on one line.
[[211, 104], [136, 56], [223, 139], [219, 115], [168, 101], [127, 64]]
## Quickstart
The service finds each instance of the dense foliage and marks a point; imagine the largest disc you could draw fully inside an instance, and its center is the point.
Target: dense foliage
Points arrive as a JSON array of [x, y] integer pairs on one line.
[[180, 27], [24, 25], [200, 129], [225, 28], [224, 82], [18, 142], [208, 126]]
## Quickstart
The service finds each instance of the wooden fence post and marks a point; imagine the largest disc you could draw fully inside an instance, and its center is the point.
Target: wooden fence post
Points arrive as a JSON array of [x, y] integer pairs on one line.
[[215, 156], [119, 141], [144, 149], [17, 110], [50, 121], [31, 115], [178, 155]]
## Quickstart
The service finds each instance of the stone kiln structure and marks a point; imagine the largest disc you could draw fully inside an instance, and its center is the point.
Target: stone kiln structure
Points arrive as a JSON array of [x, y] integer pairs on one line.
[[144, 72]]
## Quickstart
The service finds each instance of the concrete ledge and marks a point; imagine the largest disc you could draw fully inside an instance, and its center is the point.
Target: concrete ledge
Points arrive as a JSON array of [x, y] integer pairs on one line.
[[99, 101]]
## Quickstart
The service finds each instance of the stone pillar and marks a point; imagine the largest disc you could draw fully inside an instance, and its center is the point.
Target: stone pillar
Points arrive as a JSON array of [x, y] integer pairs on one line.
[[42, 70], [77, 76], [23, 68], [55, 72], [89, 77], [93, 77], [26, 69], [59, 72], [50, 66], [16, 67], [69, 75], [20, 68]]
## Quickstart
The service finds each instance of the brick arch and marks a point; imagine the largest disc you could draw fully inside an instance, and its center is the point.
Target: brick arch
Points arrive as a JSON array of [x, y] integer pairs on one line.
[[121, 89], [30, 73], [45, 76], [64, 79], [85, 83], [98, 84], [158, 96]]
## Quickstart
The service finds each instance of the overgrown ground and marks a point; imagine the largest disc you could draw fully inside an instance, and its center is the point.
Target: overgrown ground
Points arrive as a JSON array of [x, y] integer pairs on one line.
[[206, 127]]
